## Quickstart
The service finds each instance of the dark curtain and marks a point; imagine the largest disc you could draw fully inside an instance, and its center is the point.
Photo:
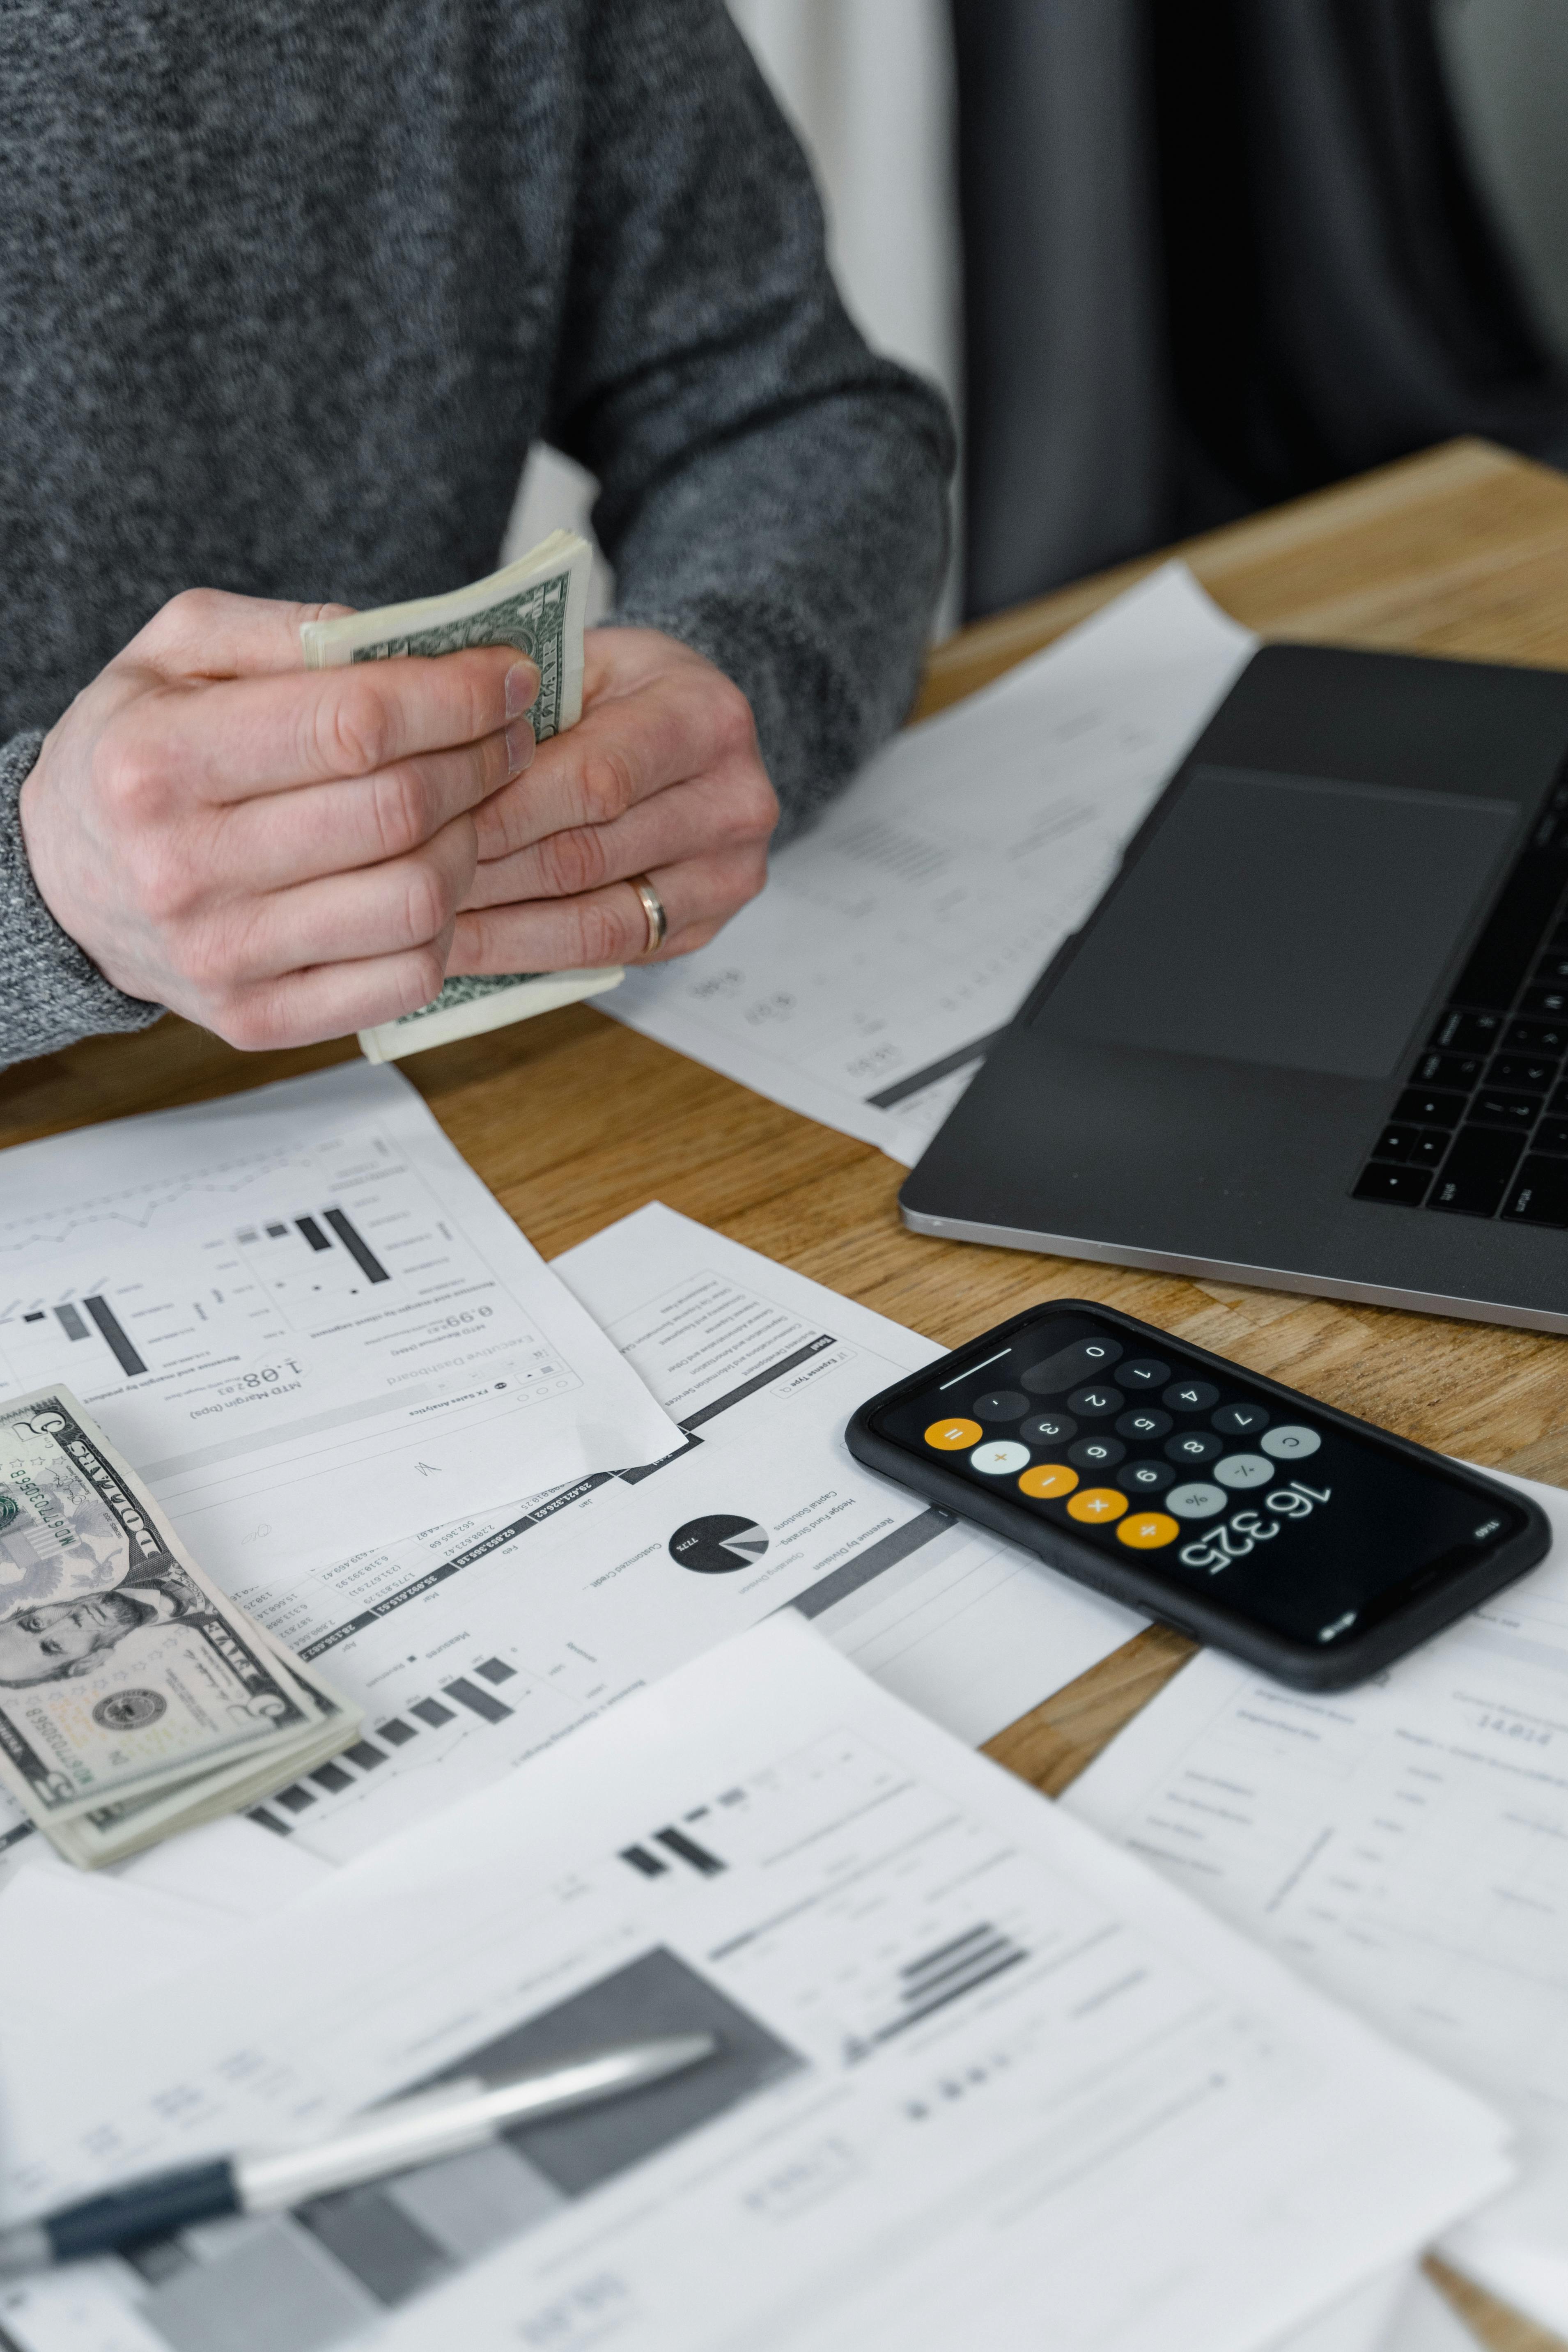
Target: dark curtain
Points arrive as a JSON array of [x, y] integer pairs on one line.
[[1216, 253]]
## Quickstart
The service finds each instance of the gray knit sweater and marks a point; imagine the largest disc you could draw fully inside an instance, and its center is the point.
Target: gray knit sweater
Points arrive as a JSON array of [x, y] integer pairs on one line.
[[287, 290]]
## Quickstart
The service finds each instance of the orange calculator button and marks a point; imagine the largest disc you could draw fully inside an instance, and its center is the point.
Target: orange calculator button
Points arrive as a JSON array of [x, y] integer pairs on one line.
[[1097, 1506], [1148, 1530], [952, 1436], [1048, 1479]]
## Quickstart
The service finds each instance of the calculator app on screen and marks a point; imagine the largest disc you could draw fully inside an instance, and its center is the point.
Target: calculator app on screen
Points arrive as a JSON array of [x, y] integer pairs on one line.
[[1295, 1522]]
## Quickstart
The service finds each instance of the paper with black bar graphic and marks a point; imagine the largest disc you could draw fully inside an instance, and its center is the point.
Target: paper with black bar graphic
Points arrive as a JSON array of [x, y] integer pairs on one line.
[[134, 1699], [973, 2065], [304, 1319], [751, 1506], [537, 604]]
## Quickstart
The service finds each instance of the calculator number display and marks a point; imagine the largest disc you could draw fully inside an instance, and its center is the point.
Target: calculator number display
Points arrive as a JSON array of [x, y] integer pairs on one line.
[[1242, 1533]]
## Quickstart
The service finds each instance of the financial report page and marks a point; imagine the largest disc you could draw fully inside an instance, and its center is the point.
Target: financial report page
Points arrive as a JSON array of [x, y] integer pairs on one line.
[[476, 1644], [976, 2067], [303, 1318]]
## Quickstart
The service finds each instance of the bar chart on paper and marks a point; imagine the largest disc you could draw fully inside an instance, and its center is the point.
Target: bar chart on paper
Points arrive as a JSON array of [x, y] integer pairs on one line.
[[961, 2047], [252, 1301], [322, 1258], [173, 1290]]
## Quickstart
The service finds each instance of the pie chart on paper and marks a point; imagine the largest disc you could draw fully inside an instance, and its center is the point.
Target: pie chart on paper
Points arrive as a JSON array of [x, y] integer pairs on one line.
[[718, 1546]]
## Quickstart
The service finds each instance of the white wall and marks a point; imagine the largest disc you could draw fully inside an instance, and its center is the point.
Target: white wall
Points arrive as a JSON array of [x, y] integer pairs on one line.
[[868, 85]]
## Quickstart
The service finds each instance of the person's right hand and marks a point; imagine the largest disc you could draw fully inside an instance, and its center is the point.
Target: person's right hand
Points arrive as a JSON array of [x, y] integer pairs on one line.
[[274, 852]]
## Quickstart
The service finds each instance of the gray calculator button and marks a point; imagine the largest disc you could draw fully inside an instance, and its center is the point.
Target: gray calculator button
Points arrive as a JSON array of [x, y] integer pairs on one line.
[[1097, 1402], [1000, 1404], [1240, 1420], [1144, 1425], [1145, 1477], [1143, 1372], [1048, 1429], [1292, 1442], [1191, 1396], [1096, 1453], [1193, 1448], [1081, 1361], [1238, 1470], [1196, 1501]]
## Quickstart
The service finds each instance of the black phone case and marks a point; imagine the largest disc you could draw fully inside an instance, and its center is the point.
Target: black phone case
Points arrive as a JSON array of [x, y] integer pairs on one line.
[[1200, 1620]]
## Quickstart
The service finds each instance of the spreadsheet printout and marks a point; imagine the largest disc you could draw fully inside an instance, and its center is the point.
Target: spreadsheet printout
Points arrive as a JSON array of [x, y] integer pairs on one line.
[[476, 1645], [901, 933], [977, 2063], [304, 1319], [1404, 1846]]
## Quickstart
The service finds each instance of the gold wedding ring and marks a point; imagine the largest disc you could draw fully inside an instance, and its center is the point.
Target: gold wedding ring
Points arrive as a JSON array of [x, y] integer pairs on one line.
[[653, 908]]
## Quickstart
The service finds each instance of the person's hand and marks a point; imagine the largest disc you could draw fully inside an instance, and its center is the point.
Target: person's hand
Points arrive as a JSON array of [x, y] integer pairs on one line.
[[277, 853], [661, 776]]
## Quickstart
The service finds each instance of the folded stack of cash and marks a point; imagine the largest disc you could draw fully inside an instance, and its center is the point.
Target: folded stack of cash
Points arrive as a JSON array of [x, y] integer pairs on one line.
[[134, 1698], [536, 604]]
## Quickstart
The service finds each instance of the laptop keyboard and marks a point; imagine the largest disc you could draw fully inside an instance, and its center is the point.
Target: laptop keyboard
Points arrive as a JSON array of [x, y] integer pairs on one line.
[[1479, 1128]]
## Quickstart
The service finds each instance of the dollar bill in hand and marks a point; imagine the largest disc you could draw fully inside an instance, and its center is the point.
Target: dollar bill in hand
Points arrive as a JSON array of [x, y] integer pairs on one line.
[[135, 1699], [537, 604]]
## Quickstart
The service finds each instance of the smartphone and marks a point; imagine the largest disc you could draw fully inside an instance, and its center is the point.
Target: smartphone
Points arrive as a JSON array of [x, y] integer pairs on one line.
[[1308, 1543]]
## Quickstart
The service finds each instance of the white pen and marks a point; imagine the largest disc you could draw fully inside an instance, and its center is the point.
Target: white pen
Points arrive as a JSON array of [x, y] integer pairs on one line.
[[445, 2121]]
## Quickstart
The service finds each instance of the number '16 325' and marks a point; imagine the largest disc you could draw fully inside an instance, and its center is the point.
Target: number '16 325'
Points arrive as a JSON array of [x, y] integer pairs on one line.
[[1244, 1532]]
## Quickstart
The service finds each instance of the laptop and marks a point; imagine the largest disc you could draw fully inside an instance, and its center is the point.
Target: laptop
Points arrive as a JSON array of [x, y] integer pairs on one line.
[[1315, 1032]]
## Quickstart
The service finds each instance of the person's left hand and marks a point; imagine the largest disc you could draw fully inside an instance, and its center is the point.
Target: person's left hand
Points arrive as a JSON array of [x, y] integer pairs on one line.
[[661, 777]]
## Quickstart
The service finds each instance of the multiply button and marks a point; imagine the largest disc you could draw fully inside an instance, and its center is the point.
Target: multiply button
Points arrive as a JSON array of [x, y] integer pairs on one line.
[[1191, 1396], [1097, 1506], [1244, 1470], [1000, 1456], [1096, 1403], [1290, 1442], [1048, 1480], [1235, 1420], [950, 1436], [1197, 1446], [1147, 1531]]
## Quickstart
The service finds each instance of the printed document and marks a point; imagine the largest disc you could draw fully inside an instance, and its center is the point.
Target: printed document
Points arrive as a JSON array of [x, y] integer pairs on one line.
[[1406, 1846], [304, 1319], [985, 2078], [474, 1645], [902, 932], [1401, 2313]]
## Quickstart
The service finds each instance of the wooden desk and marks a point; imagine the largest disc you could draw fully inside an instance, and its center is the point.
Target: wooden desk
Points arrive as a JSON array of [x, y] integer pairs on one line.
[[573, 1121]]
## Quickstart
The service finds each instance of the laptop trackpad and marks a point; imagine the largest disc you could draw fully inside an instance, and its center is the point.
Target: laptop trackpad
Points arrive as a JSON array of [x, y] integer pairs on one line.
[[1284, 919]]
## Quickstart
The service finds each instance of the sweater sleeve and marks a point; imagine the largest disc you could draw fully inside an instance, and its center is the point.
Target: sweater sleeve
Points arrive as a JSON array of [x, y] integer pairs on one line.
[[772, 494], [50, 992]]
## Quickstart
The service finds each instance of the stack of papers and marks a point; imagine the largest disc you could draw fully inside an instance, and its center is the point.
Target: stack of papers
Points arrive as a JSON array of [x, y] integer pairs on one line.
[[474, 1645], [1404, 1846], [668, 1711], [985, 2078]]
